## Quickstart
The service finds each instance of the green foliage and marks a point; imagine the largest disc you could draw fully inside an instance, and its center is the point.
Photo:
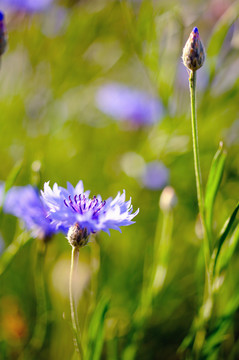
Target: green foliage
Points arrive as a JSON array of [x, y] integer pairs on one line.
[[227, 250], [213, 183], [10, 181], [10, 252], [96, 330]]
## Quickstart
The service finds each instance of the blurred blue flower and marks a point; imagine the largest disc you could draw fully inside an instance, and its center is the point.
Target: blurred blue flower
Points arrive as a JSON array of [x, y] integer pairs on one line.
[[24, 202], [155, 175], [67, 207], [128, 104], [27, 5]]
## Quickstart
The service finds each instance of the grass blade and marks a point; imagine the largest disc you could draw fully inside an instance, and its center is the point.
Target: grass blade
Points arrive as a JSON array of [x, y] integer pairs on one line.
[[13, 176], [12, 250], [218, 334], [227, 250], [10, 182], [213, 183], [96, 330]]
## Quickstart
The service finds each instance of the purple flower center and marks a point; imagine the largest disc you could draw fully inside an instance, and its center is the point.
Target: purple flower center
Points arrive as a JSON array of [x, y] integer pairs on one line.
[[80, 204]]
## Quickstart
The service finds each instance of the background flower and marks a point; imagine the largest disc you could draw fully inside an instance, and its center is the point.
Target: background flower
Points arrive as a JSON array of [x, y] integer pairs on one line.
[[128, 104], [27, 5], [66, 207], [155, 175], [24, 202]]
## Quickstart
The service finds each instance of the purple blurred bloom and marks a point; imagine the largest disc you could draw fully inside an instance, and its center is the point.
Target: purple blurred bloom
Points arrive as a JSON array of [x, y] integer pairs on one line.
[[71, 206], [155, 175], [24, 202], [128, 104], [27, 5]]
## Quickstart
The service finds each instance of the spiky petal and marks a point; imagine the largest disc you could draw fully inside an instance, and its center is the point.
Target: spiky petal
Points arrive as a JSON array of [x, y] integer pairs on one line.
[[73, 207]]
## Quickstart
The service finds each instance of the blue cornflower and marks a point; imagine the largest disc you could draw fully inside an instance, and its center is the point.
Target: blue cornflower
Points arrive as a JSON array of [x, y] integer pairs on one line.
[[24, 202], [72, 209], [128, 104], [27, 5]]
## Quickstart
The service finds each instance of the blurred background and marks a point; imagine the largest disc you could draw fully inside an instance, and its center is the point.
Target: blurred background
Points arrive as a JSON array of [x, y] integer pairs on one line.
[[96, 90]]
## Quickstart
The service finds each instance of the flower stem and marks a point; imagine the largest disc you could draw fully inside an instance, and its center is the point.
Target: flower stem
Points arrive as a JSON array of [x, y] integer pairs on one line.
[[74, 318], [39, 332], [41, 323], [206, 308], [192, 86]]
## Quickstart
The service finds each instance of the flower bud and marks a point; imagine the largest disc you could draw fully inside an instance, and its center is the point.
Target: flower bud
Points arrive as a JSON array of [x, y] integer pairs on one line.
[[193, 51], [3, 40], [168, 199], [77, 236]]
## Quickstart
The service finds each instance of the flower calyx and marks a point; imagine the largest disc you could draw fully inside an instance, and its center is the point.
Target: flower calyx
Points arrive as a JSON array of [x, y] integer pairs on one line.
[[77, 236], [193, 51]]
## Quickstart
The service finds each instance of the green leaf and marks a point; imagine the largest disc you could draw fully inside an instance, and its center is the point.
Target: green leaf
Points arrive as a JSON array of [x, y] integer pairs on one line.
[[218, 36], [226, 251], [10, 252], [218, 334], [213, 183], [10, 181], [13, 176], [96, 330]]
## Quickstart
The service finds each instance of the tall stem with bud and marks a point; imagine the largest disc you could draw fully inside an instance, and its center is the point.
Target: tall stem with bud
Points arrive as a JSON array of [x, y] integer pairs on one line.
[[193, 58], [197, 167]]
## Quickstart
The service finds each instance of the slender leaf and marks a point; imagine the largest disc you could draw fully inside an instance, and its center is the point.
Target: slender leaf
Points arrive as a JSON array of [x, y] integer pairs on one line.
[[12, 250], [218, 333], [10, 181], [224, 232], [213, 183], [96, 330], [13, 176], [227, 250]]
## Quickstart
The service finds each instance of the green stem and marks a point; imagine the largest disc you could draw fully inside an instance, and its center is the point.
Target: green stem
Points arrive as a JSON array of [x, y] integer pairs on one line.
[[74, 318], [206, 308], [9, 253], [41, 323], [192, 86], [39, 332]]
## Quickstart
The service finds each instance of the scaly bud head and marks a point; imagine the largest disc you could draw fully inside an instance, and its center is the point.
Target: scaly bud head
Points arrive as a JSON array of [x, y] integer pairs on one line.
[[77, 236], [193, 51]]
